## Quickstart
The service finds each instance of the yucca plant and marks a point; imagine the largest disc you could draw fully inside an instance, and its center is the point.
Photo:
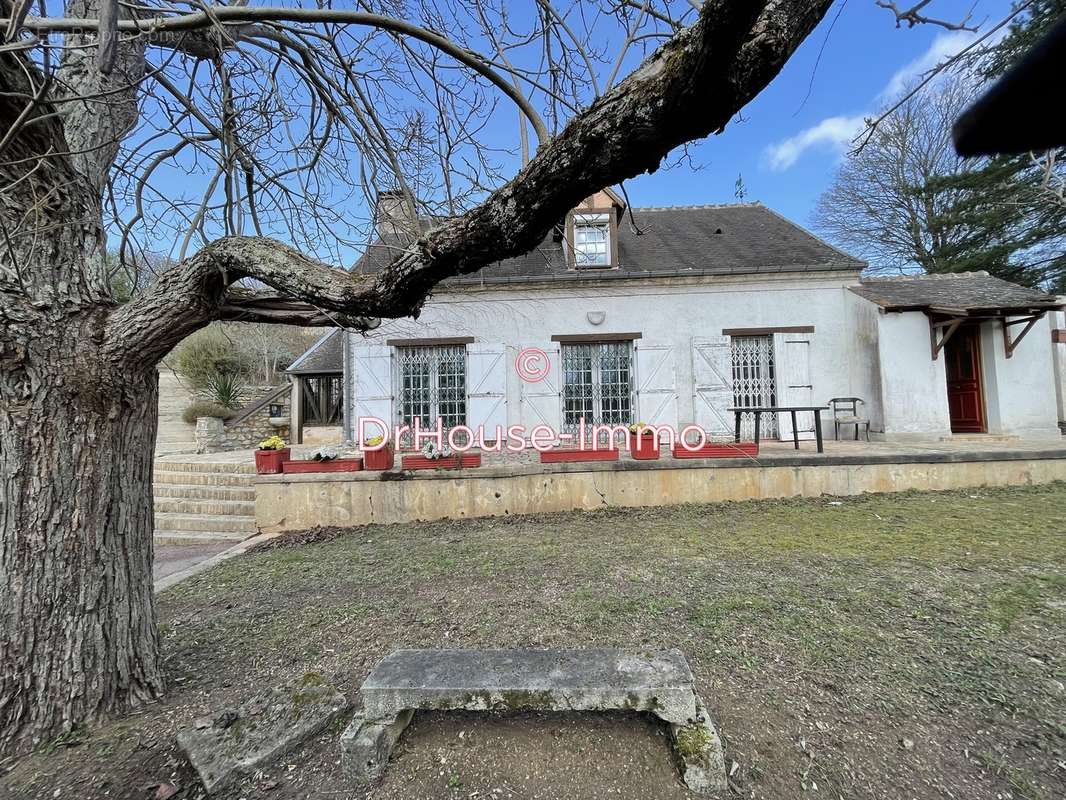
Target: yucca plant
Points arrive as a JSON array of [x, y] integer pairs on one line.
[[225, 388]]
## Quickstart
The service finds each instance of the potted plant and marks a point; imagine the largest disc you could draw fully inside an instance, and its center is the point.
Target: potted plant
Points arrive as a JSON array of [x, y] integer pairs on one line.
[[324, 460], [380, 457], [434, 457], [643, 442], [564, 455], [717, 450], [271, 454]]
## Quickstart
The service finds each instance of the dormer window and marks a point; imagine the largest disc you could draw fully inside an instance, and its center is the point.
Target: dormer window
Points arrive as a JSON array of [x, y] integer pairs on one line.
[[592, 241]]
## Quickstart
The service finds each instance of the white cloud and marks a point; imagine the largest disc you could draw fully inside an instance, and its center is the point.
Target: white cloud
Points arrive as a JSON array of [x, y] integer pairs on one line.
[[833, 133], [944, 46], [836, 133]]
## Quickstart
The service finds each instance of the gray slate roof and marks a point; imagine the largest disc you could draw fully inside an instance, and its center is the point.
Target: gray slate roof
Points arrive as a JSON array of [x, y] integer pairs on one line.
[[960, 293], [325, 355], [679, 240]]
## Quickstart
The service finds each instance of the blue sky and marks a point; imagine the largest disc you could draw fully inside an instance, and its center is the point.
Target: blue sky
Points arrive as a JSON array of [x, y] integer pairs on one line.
[[787, 148]]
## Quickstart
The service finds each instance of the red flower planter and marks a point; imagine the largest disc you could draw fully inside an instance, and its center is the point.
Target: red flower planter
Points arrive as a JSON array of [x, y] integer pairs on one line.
[[719, 450], [335, 465], [448, 462], [268, 462], [570, 454], [379, 459], [645, 447]]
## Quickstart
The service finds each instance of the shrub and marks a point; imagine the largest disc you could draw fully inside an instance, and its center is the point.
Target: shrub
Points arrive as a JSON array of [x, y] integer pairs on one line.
[[225, 388], [207, 354], [205, 408]]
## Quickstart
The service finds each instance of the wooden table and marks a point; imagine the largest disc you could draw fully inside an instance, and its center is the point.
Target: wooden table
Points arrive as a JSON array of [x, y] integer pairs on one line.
[[758, 411]]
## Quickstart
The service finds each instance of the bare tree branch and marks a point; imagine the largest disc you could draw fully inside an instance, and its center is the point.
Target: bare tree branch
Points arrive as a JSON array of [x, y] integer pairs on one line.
[[728, 55], [912, 16], [220, 16]]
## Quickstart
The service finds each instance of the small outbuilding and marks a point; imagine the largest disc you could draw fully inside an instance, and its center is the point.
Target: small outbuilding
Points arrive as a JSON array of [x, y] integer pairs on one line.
[[317, 407], [990, 359]]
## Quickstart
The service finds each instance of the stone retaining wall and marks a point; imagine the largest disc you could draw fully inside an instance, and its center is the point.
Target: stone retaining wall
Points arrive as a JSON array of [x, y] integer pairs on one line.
[[213, 435], [299, 502]]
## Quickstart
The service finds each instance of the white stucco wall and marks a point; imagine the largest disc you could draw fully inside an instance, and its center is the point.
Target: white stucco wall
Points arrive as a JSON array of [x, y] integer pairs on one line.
[[1020, 392], [855, 349], [669, 312], [914, 393], [1059, 361], [864, 359]]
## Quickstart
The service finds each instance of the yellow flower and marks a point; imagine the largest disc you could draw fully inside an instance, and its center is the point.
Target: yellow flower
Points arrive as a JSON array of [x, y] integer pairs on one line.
[[273, 443]]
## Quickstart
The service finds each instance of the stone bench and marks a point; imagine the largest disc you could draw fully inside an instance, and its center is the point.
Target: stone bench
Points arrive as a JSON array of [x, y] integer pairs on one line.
[[657, 682]]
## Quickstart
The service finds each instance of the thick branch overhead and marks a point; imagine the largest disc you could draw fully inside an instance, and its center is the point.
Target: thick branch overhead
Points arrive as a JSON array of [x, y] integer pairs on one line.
[[692, 86]]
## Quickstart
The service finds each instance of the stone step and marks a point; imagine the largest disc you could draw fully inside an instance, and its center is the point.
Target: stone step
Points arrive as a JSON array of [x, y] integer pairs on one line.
[[541, 680], [214, 523], [241, 467], [163, 536], [202, 492], [659, 682], [202, 478], [206, 505], [171, 438]]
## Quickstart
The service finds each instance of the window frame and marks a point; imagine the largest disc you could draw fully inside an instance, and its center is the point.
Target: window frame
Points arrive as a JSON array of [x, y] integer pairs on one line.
[[434, 401], [593, 400], [593, 217]]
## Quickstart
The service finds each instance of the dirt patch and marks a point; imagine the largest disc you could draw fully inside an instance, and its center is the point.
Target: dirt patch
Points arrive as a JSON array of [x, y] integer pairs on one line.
[[891, 646]]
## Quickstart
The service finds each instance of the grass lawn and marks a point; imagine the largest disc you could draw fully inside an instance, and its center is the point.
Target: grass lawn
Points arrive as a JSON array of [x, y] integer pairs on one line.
[[893, 646]]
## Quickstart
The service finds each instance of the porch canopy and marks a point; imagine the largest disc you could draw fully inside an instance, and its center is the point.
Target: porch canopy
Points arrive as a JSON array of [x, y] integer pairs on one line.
[[951, 299], [319, 378]]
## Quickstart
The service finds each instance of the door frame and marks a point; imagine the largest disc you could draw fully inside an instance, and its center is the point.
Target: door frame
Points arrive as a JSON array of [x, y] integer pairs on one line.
[[974, 330]]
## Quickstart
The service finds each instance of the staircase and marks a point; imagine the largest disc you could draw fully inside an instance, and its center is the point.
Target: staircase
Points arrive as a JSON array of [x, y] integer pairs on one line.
[[175, 435], [202, 501]]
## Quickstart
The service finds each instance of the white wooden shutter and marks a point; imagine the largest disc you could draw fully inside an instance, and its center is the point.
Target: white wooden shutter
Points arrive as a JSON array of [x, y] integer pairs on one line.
[[373, 395], [656, 384], [541, 402], [486, 384], [792, 360], [712, 378]]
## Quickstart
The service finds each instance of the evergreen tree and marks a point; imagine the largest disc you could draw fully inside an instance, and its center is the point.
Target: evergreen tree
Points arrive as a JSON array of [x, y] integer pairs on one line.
[[1003, 213]]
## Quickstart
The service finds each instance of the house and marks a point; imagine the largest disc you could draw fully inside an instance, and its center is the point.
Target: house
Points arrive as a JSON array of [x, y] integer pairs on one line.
[[671, 316]]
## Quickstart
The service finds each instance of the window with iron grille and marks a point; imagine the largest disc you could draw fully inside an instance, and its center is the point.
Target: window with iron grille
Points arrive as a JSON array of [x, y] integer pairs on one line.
[[592, 240], [754, 381], [597, 384], [432, 384]]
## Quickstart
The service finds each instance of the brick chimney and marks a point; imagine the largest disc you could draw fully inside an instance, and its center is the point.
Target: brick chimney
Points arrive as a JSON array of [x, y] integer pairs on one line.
[[391, 214]]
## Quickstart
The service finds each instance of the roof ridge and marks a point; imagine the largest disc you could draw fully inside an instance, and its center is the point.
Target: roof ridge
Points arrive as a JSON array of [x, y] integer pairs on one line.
[[699, 206], [928, 276]]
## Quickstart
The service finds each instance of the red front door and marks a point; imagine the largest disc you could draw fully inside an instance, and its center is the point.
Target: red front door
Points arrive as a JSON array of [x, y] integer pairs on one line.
[[962, 363]]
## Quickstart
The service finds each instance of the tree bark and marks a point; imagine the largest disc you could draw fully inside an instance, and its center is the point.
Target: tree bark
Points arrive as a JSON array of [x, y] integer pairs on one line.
[[78, 639], [77, 436]]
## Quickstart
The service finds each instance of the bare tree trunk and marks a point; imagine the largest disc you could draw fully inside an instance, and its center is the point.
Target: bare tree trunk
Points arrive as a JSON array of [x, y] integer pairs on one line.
[[78, 639]]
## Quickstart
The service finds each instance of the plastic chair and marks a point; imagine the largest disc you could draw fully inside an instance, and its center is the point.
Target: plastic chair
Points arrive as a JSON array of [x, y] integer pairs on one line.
[[846, 412]]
